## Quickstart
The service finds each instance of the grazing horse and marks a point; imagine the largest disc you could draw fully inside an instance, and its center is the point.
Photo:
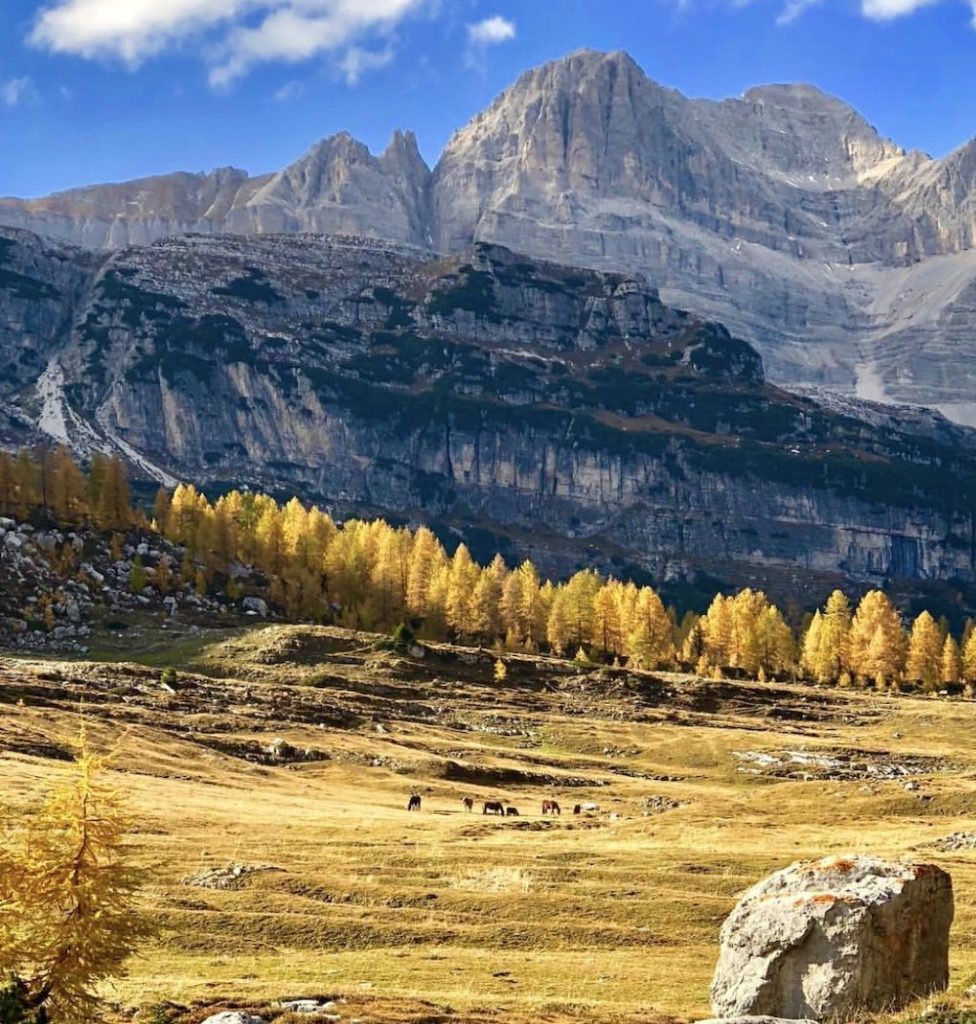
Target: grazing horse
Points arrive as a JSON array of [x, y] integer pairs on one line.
[[578, 809], [512, 812], [550, 807], [468, 803], [493, 807], [413, 804]]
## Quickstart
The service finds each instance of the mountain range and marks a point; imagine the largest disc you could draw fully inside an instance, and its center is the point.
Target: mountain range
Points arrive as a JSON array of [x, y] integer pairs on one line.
[[845, 260], [541, 410]]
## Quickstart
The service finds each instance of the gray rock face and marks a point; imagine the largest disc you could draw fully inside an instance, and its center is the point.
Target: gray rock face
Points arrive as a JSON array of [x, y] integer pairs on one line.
[[745, 1019], [493, 392], [828, 939], [338, 187], [783, 214]]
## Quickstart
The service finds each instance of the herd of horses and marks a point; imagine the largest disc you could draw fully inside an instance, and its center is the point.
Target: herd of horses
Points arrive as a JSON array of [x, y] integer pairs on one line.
[[549, 807]]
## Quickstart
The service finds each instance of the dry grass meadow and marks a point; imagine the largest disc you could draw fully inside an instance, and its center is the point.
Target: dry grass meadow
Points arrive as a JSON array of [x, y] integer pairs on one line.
[[446, 915]]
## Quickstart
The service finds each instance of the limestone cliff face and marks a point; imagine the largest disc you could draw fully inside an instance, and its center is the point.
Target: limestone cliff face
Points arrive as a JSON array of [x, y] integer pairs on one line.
[[567, 414], [783, 214], [337, 187]]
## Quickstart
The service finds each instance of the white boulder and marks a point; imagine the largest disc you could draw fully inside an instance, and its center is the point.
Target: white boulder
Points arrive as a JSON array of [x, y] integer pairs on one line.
[[827, 939], [234, 1017]]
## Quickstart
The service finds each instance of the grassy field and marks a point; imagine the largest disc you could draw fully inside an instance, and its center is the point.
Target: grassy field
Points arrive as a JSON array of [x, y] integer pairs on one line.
[[443, 914]]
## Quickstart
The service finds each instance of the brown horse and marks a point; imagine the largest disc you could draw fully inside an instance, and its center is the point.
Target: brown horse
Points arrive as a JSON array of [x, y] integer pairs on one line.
[[578, 809], [468, 803], [413, 804], [551, 807], [512, 812], [493, 807]]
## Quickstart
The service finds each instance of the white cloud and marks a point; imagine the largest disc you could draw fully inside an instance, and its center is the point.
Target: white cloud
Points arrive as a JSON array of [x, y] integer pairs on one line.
[[13, 90], [794, 9], [356, 61], [491, 31], [482, 34], [888, 10], [289, 91], [237, 34]]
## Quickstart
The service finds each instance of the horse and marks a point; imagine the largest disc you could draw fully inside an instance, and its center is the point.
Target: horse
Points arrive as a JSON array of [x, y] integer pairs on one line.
[[512, 812], [413, 804], [468, 803], [550, 807], [493, 807], [578, 809], [590, 808]]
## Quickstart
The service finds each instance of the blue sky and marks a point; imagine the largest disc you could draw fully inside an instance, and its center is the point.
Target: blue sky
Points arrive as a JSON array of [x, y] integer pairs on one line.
[[103, 90]]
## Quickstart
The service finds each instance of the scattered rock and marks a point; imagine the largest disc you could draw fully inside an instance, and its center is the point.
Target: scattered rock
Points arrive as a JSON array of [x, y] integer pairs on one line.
[[835, 765], [659, 804], [230, 877], [308, 1006], [834, 937], [234, 1017], [955, 841], [257, 605]]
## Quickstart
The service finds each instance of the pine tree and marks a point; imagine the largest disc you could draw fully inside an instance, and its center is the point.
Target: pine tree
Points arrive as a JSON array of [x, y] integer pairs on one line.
[[969, 658], [68, 916], [462, 579], [951, 662], [649, 639], [877, 640], [717, 628], [161, 505], [693, 648], [810, 657], [924, 664], [607, 629], [558, 626], [25, 484], [8, 502], [425, 559], [835, 638]]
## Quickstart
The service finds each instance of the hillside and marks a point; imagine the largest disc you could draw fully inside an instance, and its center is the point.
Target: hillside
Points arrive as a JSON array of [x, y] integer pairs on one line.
[[289, 753], [847, 261], [529, 408]]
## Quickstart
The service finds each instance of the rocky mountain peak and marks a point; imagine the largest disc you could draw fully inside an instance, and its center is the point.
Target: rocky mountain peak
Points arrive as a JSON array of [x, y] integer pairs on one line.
[[800, 128]]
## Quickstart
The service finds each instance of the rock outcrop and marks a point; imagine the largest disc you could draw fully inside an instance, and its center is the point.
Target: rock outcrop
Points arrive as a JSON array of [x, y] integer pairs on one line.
[[845, 260], [543, 410], [828, 939]]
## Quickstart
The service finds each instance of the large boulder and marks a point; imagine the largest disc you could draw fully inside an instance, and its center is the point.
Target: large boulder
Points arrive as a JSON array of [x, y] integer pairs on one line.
[[828, 938]]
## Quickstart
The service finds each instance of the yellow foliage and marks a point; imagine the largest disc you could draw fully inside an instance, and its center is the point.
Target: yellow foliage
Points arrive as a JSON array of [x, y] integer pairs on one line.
[[68, 917]]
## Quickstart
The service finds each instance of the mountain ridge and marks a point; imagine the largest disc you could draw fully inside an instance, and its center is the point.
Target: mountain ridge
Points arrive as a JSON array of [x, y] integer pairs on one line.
[[848, 261], [560, 413]]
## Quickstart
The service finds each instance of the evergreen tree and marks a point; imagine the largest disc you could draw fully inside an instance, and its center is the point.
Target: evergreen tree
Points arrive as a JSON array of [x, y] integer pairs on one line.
[[68, 918], [835, 638], [951, 661], [924, 664], [877, 642]]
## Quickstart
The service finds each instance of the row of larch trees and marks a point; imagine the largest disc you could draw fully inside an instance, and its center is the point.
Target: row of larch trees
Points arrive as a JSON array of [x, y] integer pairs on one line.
[[872, 646], [373, 576]]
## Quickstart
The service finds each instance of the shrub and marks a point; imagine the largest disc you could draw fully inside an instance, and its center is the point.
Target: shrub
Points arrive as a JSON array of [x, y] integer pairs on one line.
[[403, 637]]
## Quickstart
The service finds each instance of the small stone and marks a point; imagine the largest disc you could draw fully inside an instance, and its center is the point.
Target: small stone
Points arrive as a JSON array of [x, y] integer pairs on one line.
[[234, 1017]]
